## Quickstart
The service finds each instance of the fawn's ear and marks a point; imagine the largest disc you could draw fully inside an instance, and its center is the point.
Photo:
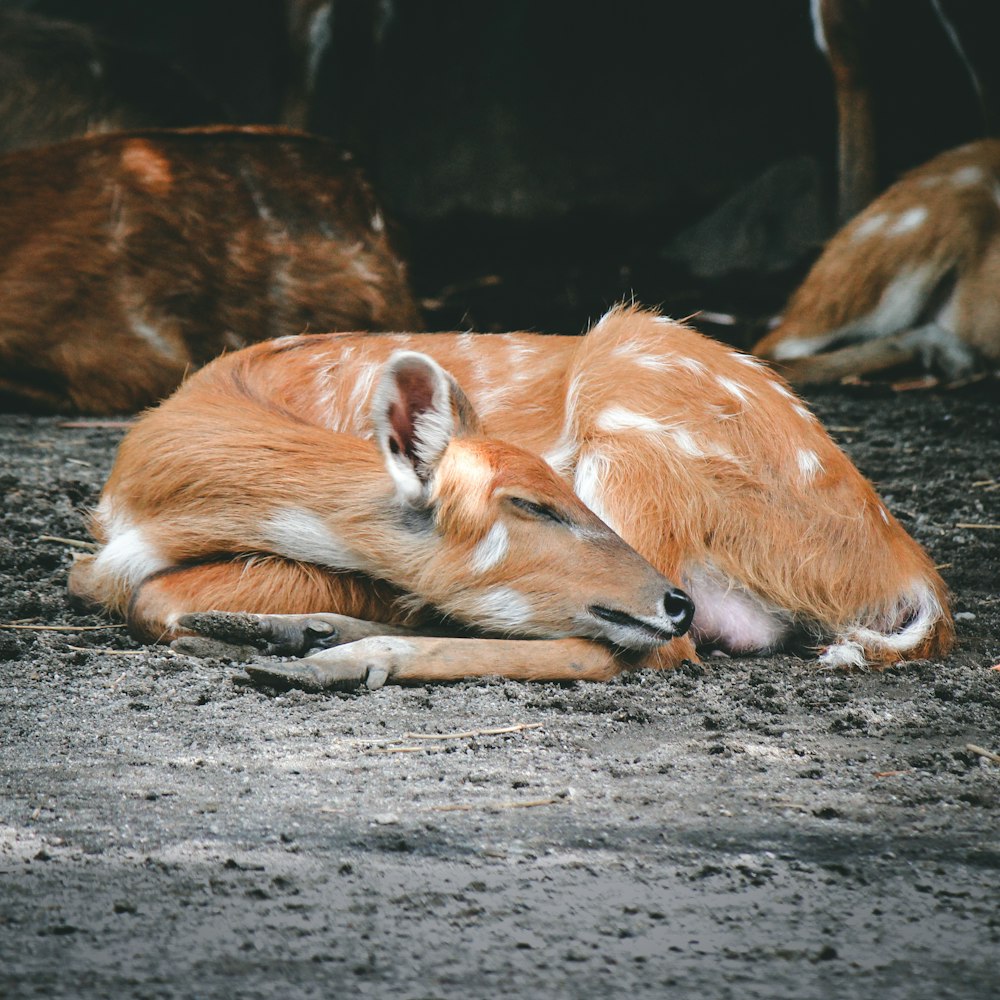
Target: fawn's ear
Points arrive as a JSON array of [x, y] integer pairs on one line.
[[417, 408]]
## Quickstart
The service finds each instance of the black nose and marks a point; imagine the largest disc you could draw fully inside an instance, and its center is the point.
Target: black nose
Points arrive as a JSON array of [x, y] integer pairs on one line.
[[680, 609]]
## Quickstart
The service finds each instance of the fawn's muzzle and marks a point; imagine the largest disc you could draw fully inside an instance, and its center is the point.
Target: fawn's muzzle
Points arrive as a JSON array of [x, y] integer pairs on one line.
[[641, 632]]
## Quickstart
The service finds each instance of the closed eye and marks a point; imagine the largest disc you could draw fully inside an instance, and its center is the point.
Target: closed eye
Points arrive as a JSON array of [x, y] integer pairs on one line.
[[538, 510]]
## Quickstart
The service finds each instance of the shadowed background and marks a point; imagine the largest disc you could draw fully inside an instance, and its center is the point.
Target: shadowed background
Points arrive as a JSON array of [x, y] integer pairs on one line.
[[545, 159]]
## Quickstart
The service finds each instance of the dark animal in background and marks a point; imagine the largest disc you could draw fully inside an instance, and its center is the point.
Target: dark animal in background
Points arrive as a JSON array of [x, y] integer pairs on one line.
[[128, 260], [59, 80], [852, 35]]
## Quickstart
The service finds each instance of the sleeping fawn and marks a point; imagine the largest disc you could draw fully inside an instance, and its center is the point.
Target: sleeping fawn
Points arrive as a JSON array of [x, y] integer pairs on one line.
[[914, 277], [570, 506]]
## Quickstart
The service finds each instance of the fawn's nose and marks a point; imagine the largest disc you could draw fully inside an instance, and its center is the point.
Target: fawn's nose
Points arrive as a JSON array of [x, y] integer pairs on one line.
[[679, 609]]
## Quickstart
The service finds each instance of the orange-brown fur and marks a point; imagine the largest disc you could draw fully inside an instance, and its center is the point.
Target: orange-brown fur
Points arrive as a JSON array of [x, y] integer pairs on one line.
[[261, 585], [129, 260], [807, 547], [945, 269], [703, 458]]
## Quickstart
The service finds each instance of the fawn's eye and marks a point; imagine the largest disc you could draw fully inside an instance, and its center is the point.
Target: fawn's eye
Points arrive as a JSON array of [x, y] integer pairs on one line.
[[539, 510]]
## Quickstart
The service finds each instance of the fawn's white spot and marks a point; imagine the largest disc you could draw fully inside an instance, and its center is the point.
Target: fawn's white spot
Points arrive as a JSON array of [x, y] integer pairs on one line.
[[693, 365], [901, 302], [966, 176], [911, 219], [809, 464], [491, 550], [618, 418], [735, 389], [869, 226], [128, 555], [655, 362], [588, 482], [500, 608], [684, 441], [560, 456], [297, 533]]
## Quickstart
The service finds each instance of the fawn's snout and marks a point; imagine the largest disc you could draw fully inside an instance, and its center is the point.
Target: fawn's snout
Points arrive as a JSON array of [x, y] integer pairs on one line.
[[632, 631]]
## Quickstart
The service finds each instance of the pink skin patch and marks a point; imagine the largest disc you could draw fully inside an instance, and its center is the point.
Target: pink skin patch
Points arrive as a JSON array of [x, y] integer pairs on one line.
[[729, 617]]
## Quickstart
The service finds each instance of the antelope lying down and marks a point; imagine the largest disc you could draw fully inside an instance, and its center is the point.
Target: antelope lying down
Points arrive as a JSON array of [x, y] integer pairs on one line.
[[128, 260], [914, 277], [399, 480]]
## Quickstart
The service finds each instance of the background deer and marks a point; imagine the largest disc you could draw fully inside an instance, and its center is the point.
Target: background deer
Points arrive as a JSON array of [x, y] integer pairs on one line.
[[128, 260], [914, 277], [350, 474]]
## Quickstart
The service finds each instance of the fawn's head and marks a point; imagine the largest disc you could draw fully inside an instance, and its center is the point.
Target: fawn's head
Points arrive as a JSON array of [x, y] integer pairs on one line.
[[510, 549]]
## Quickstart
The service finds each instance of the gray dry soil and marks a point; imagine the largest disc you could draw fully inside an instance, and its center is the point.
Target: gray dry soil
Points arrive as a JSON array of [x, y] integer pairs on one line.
[[745, 828]]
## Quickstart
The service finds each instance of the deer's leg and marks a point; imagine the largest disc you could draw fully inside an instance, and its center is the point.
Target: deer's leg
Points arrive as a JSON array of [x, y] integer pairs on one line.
[[239, 635], [843, 30], [275, 606], [935, 347], [379, 660], [863, 358]]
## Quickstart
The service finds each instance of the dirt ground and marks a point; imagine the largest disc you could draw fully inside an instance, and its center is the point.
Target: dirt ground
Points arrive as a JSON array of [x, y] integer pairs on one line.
[[745, 828]]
